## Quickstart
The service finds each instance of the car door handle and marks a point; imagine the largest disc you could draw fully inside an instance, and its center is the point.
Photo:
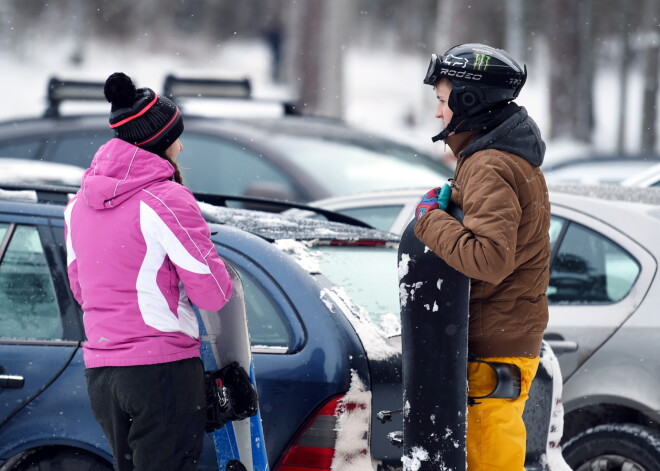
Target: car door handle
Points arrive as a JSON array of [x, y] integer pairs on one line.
[[11, 381], [562, 346]]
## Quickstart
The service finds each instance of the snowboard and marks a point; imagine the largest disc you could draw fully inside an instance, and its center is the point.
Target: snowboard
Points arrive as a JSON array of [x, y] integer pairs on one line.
[[239, 445], [434, 337]]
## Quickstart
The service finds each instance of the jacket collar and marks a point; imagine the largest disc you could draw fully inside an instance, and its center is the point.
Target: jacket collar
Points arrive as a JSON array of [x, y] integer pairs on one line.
[[517, 134], [458, 142]]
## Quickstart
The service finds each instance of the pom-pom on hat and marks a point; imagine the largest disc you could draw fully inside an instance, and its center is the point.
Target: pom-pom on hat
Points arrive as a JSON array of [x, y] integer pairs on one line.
[[140, 116]]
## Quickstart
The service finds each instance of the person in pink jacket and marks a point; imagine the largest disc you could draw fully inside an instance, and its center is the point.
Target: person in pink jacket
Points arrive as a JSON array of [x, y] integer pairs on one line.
[[139, 255]]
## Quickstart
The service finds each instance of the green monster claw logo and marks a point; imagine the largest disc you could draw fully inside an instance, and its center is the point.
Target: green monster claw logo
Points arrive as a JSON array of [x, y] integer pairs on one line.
[[481, 61]]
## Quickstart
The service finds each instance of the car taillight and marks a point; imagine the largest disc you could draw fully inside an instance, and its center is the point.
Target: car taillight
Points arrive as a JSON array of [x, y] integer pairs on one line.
[[314, 447], [358, 243]]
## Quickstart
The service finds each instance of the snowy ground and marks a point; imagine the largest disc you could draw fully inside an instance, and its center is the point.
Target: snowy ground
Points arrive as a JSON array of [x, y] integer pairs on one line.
[[383, 90]]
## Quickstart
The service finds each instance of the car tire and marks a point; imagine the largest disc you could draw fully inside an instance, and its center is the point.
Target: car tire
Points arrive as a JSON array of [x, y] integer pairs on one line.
[[60, 460], [614, 447]]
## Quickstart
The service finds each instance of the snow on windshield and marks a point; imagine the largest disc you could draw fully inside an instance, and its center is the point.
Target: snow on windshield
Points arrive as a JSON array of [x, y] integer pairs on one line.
[[275, 226]]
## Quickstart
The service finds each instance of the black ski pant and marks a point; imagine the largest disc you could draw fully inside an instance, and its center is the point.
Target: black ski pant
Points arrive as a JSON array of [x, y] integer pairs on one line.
[[152, 415]]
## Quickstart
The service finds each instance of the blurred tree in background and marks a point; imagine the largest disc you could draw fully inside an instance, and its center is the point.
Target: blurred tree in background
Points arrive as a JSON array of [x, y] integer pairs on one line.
[[569, 40]]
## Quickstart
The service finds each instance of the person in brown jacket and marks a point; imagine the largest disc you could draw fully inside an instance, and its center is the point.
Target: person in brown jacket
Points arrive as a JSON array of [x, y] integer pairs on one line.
[[502, 244]]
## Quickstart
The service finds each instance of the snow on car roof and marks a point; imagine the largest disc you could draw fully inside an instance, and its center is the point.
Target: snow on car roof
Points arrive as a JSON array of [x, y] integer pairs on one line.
[[15, 171], [274, 226], [611, 192], [19, 195]]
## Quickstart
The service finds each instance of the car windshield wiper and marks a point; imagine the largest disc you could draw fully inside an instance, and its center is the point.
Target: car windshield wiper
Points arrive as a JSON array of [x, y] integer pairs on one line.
[[270, 205]]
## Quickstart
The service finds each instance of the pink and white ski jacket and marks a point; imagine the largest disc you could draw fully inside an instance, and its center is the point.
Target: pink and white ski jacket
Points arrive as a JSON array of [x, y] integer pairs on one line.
[[138, 254]]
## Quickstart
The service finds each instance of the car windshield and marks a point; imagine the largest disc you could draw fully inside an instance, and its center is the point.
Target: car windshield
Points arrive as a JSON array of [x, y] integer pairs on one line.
[[350, 167], [368, 275]]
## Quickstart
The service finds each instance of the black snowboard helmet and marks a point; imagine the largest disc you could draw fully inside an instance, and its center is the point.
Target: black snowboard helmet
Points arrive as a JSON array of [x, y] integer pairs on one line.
[[482, 78]]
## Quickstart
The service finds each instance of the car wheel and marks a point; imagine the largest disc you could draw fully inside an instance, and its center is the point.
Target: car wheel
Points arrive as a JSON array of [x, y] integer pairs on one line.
[[615, 447], [60, 460]]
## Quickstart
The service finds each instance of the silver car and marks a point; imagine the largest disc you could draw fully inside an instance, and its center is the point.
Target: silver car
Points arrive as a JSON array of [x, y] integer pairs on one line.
[[648, 177], [604, 319]]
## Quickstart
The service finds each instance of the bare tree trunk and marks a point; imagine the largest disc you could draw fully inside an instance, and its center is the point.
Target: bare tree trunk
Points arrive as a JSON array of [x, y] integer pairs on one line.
[[567, 77], [445, 15], [316, 31], [7, 39], [626, 55], [651, 66], [585, 117], [310, 54], [515, 29], [77, 30]]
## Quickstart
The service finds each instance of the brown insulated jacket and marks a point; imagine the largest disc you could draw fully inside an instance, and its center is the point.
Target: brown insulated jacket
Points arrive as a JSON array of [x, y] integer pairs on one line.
[[503, 244]]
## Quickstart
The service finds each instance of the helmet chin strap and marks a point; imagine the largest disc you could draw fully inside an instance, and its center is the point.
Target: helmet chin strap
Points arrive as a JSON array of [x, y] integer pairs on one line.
[[444, 134], [483, 121], [451, 127]]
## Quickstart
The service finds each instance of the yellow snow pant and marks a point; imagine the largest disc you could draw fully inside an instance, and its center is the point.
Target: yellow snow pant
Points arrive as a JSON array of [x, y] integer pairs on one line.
[[496, 436]]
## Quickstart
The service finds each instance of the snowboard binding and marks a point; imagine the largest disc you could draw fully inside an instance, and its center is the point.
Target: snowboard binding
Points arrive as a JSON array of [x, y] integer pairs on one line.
[[507, 385]]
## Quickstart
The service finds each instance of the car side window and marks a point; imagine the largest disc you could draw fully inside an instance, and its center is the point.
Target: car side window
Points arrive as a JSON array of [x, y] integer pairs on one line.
[[77, 148], [265, 321], [28, 305], [213, 165], [21, 148], [556, 226], [588, 268]]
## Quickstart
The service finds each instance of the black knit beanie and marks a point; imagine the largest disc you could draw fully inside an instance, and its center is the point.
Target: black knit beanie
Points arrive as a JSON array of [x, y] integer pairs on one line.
[[140, 116]]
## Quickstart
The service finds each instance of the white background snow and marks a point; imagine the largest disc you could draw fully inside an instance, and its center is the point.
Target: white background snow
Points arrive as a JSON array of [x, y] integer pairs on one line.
[[384, 105]]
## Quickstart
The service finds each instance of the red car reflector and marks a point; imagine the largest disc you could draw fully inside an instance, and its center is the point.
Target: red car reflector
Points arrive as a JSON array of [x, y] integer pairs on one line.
[[358, 242], [314, 447]]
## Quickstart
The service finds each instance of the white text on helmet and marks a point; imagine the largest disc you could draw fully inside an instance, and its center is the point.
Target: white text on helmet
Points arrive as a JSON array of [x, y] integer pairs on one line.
[[460, 74]]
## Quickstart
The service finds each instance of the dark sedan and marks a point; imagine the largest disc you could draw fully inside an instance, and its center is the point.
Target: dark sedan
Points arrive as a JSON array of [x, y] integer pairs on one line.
[[288, 157]]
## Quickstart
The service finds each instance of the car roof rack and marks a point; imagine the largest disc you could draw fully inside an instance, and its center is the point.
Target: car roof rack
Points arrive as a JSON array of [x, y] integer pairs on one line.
[[58, 194], [176, 87], [67, 90]]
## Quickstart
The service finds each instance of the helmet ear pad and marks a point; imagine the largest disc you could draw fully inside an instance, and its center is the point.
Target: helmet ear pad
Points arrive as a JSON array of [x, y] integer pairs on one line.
[[466, 99]]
